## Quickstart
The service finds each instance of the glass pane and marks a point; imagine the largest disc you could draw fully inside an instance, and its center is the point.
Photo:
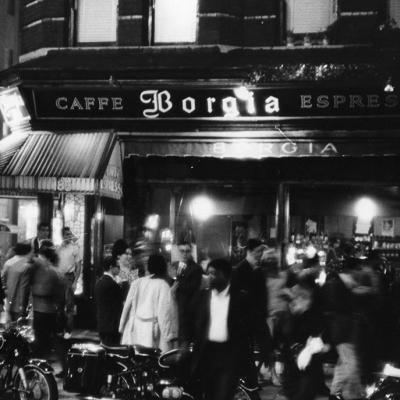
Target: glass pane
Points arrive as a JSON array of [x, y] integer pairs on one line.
[[310, 16], [395, 11], [97, 21], [175, 21]]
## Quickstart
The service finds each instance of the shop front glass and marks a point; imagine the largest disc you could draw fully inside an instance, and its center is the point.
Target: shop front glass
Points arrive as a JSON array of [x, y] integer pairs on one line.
[[18, 222]]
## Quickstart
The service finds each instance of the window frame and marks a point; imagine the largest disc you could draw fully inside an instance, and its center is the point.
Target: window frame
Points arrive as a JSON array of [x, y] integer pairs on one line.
[[152, 27]]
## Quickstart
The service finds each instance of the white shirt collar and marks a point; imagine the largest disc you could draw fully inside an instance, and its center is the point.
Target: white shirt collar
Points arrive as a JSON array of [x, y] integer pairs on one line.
[[223, 293]]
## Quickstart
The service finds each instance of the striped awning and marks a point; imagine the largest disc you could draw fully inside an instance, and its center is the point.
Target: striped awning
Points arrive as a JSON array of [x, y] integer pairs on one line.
[[63, 162], [9, 146]]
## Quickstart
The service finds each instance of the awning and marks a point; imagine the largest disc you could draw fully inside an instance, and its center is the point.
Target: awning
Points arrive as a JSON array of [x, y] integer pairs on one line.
[[259, 149], [9, 146], [64, 162]]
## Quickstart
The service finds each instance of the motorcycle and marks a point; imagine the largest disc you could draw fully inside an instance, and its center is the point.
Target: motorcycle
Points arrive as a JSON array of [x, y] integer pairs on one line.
[[133, 373], [23, 377], [387, 386]]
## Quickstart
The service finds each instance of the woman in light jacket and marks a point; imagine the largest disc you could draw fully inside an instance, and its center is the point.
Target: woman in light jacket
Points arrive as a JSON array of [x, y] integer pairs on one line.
[[149, 316]]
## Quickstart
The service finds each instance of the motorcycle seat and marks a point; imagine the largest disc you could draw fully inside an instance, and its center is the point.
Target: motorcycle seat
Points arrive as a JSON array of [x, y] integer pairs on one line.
[[146, 351], [119, 350]]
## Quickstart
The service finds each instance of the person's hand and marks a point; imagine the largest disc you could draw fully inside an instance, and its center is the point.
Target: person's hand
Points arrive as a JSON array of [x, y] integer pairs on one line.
[[174, 288]]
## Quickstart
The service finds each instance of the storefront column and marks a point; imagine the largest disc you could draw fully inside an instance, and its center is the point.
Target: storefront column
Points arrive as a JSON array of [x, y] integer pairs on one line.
[[282, 218], [172, 212], [45, 202]]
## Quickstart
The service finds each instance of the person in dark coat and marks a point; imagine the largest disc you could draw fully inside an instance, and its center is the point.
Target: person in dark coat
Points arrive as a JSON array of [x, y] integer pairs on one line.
[[220, 329], [338, 306], [301, 330], [109, 299], [249, 277], [187, 283]]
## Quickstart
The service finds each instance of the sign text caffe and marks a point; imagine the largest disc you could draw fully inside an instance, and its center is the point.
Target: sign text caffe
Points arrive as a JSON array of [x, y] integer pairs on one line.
[[212, 103]]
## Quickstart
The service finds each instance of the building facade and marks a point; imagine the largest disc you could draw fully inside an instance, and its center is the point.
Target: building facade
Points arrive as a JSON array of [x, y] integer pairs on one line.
[[282, 112]]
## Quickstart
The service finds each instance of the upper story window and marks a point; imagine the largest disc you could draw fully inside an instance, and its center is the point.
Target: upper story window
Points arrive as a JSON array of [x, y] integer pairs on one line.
[[97, 21], [394, 11], [175, 21], [310, 16]]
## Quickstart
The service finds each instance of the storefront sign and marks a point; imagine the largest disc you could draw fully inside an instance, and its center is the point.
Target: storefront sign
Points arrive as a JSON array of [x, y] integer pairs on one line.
[[256, 149], [111, 184], [213, 103]]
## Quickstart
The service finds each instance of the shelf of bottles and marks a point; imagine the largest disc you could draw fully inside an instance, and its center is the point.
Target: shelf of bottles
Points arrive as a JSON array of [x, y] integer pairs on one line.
[[388, 247]]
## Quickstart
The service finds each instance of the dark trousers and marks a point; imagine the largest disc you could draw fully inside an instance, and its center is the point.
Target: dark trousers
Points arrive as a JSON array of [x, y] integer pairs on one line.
[[302, 385], [219, 372], [45, 328], [110, 338]]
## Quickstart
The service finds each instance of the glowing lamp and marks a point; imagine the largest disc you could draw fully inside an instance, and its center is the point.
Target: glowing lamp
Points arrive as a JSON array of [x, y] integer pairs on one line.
[[202, 208], [365, 209]]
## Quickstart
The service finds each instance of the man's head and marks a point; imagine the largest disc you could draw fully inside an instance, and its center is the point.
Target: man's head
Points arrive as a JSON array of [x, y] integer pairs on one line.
[[22, 249], [111, 266], [219, 271], [185, 251], [254, 251], [43, 231], [67, 235]]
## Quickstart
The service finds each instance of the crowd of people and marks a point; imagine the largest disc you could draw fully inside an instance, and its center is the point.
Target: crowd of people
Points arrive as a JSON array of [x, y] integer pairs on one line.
[[239, 320], [38, 282]]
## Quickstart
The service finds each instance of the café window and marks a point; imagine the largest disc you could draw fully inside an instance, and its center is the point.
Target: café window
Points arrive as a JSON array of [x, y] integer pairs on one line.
[[97, 21], [310, 16], [175, 21], [395, 11]]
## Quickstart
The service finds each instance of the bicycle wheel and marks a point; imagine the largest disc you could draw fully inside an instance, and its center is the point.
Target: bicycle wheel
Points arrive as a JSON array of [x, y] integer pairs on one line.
[[40, 385]]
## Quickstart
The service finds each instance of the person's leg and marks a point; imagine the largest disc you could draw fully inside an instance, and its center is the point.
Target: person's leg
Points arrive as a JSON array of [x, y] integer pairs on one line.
[[346, 378], [42, 336], [69, 302], [225, 383]]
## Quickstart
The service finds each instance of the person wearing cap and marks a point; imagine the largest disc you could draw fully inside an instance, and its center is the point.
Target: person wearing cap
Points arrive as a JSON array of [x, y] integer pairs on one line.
[[249, 277]]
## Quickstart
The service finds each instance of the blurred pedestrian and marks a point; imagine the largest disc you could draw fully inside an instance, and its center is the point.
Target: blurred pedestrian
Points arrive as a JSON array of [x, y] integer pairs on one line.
[[149, 314], [300, 330], [338, 306], [47, 293], [109, 299], [16, 276], [249, 277]]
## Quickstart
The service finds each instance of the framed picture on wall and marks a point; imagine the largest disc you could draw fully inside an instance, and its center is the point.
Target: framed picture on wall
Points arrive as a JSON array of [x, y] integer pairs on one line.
[[239, 235], [388, 227]]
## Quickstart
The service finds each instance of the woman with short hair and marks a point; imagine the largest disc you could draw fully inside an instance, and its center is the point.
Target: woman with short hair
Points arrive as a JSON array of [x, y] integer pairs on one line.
[[149, 316]]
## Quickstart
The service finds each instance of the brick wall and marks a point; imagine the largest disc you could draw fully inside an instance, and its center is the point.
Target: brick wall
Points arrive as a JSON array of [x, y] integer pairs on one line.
[[132, 22], [43, 24]]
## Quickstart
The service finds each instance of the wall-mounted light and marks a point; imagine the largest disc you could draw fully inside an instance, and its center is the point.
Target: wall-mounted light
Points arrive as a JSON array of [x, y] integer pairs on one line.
[[389, 88], [202, 208], [365, 209]]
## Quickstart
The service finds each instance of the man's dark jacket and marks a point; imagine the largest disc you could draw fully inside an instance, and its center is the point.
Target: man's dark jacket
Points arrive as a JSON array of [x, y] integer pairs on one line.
[[240, 328], [189, 284], [253, 281], [108, 296]]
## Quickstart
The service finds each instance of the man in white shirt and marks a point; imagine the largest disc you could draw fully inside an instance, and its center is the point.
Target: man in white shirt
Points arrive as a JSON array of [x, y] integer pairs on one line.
[[220, 328], [70, 268]]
